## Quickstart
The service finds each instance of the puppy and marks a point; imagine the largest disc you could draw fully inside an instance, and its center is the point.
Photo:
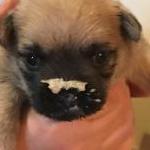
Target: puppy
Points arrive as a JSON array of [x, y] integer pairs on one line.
[[93, 42]]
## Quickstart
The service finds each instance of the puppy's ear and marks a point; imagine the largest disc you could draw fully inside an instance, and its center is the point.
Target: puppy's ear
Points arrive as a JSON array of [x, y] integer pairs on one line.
[[8, 34], [130, 27]]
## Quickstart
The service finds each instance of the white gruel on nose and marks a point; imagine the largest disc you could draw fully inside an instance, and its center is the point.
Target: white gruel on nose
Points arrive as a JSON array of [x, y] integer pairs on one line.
[[55, 85]]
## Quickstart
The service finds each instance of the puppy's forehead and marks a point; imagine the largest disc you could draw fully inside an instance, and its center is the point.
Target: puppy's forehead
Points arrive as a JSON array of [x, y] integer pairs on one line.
[[56, 22]]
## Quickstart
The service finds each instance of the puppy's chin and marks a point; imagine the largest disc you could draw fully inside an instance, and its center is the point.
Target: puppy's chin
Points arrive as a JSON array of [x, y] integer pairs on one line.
[[69, 104]]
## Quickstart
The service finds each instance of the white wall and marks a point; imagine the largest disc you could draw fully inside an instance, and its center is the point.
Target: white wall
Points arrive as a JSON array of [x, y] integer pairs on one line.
[[1, 1]]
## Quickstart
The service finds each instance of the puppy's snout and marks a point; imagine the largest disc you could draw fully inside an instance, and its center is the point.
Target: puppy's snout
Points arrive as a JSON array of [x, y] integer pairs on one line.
[[67, 100]]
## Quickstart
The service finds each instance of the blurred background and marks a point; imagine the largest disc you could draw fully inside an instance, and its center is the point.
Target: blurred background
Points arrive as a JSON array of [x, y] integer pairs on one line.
[[141, 8]]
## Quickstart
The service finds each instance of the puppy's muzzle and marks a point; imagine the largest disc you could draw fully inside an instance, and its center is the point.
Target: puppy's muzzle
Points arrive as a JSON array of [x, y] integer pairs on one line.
[[64, 102]]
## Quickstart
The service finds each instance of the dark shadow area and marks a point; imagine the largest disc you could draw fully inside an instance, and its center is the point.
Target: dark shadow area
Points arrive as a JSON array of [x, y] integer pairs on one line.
[[145, 144]]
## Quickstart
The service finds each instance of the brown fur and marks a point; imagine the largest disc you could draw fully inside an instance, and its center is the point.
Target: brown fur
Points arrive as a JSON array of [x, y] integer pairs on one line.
[[87, 23], [54, 23]]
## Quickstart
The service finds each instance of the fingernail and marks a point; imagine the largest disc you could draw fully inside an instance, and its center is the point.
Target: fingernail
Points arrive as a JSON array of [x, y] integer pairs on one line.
[[1, 2]]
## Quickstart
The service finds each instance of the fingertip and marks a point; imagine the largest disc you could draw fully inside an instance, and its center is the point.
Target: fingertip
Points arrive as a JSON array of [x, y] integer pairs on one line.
[[6, 6]]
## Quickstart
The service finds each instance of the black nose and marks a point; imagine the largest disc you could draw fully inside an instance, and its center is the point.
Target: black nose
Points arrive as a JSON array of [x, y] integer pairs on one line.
[[68, 97]]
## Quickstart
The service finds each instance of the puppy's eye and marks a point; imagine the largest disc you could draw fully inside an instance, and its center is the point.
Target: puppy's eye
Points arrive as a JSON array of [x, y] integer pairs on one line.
[[98, 53], [33, 60], [102, 57]]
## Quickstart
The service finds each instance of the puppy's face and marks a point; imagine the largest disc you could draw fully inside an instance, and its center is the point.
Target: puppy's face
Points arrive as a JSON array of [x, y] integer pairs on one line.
[[82, 40]]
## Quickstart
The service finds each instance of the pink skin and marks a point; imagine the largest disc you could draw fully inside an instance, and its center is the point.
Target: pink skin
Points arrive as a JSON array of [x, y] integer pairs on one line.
[[8, 5], [109, 129]]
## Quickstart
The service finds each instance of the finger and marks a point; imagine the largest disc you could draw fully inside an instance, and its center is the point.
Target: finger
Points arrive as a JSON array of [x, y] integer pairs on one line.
[[6, 6]]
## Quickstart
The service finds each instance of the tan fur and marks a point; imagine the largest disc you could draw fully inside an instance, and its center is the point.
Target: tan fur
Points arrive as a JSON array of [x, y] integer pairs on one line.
[[57, 22], [9, 107], [60, 24], [89, 21]]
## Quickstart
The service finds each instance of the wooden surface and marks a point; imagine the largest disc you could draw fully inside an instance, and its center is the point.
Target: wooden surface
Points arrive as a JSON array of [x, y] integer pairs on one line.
[[142, 123]]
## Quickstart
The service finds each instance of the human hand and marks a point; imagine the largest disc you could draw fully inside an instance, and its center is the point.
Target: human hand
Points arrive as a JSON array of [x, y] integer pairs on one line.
[[109, 129]]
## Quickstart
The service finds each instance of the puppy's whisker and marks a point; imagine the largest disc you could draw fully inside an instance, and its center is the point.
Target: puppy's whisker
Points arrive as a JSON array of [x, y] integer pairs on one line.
[[98, 100]]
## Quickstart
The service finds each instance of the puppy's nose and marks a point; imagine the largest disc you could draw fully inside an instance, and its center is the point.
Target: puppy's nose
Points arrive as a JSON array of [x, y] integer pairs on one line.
[[69, 97]]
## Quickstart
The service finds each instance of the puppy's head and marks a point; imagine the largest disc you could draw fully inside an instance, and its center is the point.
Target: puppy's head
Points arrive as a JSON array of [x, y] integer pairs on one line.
[[82, 40]]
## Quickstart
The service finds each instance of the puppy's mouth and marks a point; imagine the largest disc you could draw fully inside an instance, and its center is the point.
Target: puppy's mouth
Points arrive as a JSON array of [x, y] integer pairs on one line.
[[67, 100]]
